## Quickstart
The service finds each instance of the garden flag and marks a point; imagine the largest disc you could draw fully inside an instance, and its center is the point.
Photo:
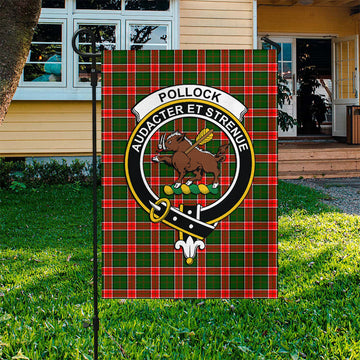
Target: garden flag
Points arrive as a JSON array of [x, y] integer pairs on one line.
[[189, 144]]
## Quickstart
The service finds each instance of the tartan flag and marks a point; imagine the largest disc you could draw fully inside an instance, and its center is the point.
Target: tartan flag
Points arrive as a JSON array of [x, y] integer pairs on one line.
[[189, 144]]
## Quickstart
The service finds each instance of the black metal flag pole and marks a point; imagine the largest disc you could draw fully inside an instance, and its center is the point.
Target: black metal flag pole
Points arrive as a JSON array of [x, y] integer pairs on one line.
[[93, 55]]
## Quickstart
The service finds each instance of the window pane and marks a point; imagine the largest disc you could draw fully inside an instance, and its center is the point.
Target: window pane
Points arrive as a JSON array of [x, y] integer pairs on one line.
[[53, 4], [151, 37], [286, 52], [287, 70], [44, 63], [105, 36], [85, 72], [50, 71], [43, 52], [99, 4], [147, 47], [99, 47], [103, 33], [47, 33], [159, 5]]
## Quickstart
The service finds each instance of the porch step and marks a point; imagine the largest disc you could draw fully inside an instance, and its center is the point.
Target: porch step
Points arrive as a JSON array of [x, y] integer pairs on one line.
[[318, 160], [327, 175], [307, 139]]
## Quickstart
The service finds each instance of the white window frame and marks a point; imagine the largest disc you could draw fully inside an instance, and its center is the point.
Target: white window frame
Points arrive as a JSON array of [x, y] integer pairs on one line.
[[77, 23], [70, 89], [52, 84]]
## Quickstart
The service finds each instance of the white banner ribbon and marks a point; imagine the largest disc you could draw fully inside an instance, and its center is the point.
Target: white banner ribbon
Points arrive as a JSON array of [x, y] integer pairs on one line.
[[188, 92]]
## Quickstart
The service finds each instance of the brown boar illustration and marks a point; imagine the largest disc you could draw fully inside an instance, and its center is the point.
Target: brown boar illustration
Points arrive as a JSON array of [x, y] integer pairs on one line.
[[189, 158]]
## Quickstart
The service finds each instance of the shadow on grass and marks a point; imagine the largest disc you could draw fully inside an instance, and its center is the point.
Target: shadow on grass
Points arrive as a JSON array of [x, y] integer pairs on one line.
[[294, 198], [56, 217], [317, 309]]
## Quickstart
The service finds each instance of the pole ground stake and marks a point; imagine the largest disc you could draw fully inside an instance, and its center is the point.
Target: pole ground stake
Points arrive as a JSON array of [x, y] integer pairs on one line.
[[93, 55]]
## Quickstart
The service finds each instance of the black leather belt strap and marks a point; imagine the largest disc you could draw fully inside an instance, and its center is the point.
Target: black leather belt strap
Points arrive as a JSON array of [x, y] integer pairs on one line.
[[185, 221]]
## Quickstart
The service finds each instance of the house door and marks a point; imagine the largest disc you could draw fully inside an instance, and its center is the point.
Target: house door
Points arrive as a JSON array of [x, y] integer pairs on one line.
[[287, 69], [345, 80]]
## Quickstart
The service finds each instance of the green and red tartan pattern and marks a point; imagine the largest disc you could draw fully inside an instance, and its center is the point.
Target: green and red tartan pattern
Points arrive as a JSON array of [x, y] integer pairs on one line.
[[240, 256]]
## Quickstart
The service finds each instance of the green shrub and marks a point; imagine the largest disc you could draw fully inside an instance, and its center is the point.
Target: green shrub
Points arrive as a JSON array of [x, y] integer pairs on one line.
[[17, 186], [45, 173], [10, 171]]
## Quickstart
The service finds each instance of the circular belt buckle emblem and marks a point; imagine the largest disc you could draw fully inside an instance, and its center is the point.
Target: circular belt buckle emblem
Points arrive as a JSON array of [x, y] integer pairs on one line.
[[166, 212], [189, 162]]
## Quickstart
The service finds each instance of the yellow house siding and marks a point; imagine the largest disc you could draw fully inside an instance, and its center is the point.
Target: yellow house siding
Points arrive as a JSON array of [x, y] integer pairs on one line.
[[36, 128], [48, 128], [216, 24], [306, 20]]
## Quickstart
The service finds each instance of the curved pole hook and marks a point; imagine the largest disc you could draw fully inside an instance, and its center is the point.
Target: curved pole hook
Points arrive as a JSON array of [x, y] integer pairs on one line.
[[93, 55], [272, 43], [92, 39]]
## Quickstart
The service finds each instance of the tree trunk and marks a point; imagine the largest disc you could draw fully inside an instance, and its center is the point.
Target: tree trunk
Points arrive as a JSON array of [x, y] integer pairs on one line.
[[18, 19]]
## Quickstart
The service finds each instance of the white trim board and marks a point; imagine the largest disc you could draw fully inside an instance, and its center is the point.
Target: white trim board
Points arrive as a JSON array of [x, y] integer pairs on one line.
[[299, 35]]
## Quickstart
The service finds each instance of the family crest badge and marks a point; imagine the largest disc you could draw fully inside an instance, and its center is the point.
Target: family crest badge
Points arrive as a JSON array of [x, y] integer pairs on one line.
[[189, 154], [175, 105]]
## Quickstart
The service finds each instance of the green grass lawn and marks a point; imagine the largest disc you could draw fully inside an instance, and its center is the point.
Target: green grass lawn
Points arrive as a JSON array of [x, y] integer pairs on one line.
[[46, 290]]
